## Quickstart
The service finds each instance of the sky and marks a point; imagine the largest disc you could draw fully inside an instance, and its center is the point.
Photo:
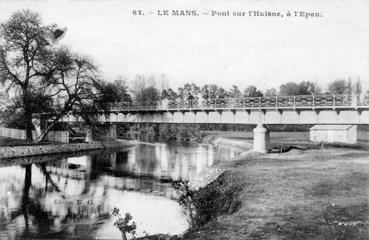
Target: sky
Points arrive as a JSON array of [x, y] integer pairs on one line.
[[222, 50]]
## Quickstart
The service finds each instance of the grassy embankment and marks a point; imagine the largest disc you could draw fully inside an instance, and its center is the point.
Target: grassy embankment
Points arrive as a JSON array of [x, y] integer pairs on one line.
[[312, 194]]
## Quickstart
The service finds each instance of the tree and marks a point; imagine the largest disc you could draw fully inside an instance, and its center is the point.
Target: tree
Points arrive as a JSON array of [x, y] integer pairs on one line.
[[24, 54], [187, 89], [339, 87], [235, 92], [303, 88], [149, 94], [169, 94], [116, 91], [270, 92], [213, 91], [252, 91], [309, 88], [13, 115], [74, 87], [357, 89], [143, 89], [35, 71]]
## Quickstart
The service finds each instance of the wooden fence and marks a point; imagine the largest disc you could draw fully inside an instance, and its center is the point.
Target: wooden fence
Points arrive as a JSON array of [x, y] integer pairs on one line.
[[53, 136]]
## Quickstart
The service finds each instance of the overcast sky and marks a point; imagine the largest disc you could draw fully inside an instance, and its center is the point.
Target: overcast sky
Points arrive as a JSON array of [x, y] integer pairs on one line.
[[222, 50]]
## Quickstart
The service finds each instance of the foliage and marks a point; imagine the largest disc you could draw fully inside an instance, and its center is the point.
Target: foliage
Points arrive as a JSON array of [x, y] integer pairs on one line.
[[46, 78], [270, 92], [123, 224], [190, 133], [13, 115], [116, 91], [144, 89], [303, 88], [188, 89], [218, 197], [235, 92], [169, 94], [357, 88], [213, 91], [26, 57], [252, 91], [185, 200], [340, 87]]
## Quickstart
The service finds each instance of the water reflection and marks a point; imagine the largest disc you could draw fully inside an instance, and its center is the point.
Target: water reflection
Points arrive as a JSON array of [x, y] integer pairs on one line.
[[73, 196]]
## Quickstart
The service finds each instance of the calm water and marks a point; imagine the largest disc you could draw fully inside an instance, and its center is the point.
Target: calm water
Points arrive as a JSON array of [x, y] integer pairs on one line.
[[73, 196]]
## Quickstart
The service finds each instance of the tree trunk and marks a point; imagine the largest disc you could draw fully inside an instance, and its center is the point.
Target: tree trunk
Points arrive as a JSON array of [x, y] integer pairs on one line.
[[29, 127], [28, 116], [124, 237], [45, 132], [49, 127]]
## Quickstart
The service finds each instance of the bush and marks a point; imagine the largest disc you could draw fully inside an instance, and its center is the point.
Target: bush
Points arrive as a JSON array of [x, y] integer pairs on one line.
[[206, 204]]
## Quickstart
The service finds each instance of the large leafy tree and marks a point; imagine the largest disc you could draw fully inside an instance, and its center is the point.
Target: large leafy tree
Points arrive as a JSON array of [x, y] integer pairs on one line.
[[24, 57], [36, 72]]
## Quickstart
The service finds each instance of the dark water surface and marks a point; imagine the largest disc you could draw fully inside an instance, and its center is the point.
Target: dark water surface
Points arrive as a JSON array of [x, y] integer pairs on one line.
[[73, 196]]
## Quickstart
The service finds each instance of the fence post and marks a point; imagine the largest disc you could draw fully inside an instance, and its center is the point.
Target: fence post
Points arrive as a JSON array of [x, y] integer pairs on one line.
[[276, 101]]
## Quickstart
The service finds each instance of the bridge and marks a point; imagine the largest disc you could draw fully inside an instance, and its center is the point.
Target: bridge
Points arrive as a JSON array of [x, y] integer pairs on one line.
[[302, 109]]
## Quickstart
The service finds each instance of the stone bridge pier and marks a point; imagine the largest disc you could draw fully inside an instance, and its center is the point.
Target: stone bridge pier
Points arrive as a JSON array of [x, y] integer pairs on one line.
[[261, 138]]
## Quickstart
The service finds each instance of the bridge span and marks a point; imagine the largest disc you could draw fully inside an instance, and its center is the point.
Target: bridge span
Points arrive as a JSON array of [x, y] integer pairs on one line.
[[310, 109]]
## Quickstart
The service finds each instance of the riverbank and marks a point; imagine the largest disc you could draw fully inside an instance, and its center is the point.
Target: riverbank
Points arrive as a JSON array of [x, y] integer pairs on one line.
[[49, 149], [301, 194]]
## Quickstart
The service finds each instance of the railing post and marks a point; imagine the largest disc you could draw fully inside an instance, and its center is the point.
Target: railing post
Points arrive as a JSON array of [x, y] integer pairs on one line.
[[313, 101], [294, 101], [259, 102], [334, 100], [276, 101]]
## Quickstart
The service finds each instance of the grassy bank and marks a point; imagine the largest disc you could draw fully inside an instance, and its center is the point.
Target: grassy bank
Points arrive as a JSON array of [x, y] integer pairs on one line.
[[313, 194]]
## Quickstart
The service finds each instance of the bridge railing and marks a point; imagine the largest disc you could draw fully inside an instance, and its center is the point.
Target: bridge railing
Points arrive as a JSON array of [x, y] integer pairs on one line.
[[299, 101]]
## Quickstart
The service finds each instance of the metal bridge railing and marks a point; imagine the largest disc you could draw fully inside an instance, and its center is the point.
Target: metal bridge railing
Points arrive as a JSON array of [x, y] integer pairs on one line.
[[280, 102]]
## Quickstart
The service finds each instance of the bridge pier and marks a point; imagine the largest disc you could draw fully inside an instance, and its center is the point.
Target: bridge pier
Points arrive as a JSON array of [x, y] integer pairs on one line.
[[261, 138]]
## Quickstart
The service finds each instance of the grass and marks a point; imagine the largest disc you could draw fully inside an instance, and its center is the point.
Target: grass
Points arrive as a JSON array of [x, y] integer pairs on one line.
[[312, 194]]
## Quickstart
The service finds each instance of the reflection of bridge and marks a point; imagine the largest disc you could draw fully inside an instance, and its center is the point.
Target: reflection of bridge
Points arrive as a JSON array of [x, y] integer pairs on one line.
[[311, 109]]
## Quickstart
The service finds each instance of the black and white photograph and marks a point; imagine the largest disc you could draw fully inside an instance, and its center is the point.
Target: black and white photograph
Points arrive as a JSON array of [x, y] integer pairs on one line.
[[184, 119]]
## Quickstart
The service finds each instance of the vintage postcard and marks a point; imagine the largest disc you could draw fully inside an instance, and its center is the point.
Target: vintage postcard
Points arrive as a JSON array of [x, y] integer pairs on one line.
[[137, 119]]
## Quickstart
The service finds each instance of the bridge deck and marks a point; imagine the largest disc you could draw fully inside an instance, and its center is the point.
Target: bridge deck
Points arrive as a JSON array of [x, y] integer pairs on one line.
[[278, 102]]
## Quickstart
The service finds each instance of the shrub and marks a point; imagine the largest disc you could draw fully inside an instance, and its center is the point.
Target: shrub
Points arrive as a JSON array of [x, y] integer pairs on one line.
[[218, 197]]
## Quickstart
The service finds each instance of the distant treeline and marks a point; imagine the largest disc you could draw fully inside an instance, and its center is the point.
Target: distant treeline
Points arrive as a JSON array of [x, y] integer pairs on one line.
[[148, 89]]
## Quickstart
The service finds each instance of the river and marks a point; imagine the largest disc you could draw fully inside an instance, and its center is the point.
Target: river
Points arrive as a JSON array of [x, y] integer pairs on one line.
[[73, 196]]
